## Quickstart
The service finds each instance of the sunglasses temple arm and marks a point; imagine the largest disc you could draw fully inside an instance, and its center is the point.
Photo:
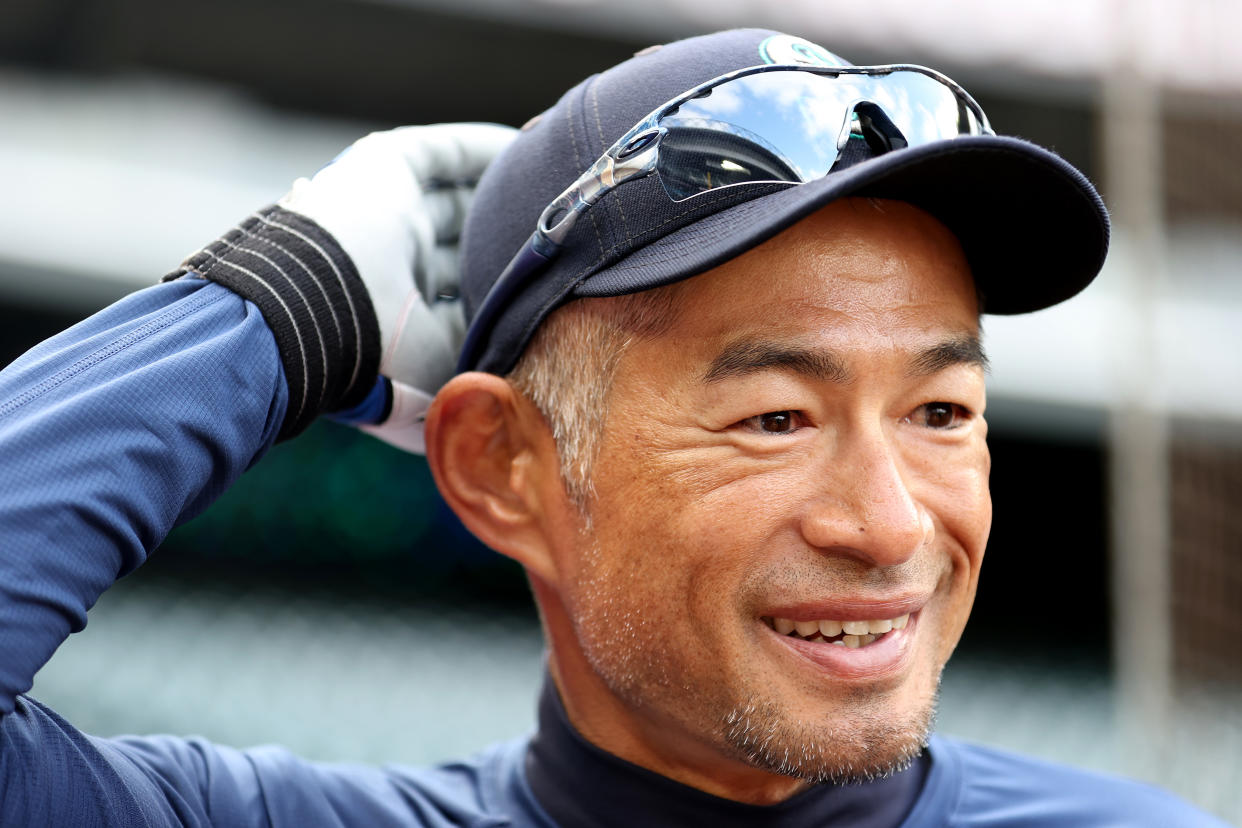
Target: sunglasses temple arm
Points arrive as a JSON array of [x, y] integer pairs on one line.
[[536, 254]]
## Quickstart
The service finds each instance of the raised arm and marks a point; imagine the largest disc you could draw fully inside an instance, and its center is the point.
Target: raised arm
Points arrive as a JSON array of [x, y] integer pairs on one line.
[[110, 433], [136, 419]]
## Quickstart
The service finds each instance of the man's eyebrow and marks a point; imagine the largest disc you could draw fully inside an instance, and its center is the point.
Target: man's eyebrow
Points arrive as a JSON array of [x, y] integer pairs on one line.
[[748, 356], [966, 349]]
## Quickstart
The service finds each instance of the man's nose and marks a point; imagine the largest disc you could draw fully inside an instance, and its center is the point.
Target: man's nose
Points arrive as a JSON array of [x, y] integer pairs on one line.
[[865, 506]]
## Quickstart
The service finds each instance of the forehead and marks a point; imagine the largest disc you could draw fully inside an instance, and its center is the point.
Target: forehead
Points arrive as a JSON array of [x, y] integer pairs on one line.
[[857, 266]]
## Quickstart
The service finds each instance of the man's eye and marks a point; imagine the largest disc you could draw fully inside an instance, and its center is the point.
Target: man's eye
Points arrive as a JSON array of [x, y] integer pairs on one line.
[[773, 422], [941, 415]]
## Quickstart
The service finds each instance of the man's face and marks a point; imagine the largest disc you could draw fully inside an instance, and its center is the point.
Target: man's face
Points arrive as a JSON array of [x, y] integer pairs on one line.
[[805, 444]]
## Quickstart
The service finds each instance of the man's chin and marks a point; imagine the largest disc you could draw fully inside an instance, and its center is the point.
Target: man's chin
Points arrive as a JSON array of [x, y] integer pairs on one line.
[[868, 746]]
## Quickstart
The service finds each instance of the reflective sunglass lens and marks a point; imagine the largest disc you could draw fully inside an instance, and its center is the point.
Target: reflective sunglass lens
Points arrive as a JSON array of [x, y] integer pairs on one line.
[[792, 126]]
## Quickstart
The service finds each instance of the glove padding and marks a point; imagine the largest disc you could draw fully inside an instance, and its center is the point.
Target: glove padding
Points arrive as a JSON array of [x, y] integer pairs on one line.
[[395, 202]]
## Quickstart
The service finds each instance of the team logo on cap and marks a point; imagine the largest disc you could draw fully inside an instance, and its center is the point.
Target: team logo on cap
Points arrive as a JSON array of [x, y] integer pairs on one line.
[[785, 49]]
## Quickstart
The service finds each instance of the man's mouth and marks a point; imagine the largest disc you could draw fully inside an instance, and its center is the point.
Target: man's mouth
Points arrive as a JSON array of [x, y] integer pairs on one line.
[[851, 634]]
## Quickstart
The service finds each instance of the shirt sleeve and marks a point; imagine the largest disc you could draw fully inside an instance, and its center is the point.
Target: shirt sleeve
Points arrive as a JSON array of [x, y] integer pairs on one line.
[[111, 433]]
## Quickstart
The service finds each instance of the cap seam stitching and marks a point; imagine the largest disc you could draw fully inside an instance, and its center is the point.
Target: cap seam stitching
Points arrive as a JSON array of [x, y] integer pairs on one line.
[[573, 140], [599, 130]]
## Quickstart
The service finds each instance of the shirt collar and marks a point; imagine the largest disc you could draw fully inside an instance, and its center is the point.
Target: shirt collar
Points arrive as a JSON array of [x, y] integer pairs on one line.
[[578, 783]]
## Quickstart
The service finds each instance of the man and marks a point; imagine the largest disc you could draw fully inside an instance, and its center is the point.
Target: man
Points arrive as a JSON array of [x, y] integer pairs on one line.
[[722, 396]]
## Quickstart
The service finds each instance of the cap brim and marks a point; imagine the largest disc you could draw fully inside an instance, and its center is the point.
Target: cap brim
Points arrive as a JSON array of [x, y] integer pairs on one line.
[[1033, 228]]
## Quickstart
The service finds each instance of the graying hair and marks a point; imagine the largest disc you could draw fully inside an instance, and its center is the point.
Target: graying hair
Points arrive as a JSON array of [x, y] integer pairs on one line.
[[568, 369]]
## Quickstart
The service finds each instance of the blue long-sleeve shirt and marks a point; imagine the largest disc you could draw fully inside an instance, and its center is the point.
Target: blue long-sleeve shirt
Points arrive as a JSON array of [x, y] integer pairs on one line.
[[136, 419], [111, 433]]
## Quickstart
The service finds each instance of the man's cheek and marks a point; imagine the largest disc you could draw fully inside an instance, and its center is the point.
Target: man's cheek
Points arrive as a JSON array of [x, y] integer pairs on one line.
[[957, 494]]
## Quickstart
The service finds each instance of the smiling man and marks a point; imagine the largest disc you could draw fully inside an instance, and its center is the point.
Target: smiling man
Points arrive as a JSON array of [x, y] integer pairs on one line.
[[722, 396], [787, 507]]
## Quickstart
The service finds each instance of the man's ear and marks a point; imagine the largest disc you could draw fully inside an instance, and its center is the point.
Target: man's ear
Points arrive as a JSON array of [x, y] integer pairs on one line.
[[495, 463]]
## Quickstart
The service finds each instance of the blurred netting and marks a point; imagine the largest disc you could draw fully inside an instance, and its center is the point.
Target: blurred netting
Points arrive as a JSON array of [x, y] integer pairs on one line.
[[1206, 490], [1203, 188], [1205, 473]]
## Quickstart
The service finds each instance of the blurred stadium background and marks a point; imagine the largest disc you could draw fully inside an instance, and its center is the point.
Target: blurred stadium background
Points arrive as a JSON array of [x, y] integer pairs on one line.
[[330, 602]]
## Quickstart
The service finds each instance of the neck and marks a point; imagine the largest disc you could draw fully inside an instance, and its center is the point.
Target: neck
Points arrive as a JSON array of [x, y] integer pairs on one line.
[[578, 783], [606, 721]]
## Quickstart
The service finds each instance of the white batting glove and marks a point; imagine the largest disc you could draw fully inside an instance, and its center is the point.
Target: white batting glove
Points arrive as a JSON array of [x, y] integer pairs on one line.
[[395, 202]]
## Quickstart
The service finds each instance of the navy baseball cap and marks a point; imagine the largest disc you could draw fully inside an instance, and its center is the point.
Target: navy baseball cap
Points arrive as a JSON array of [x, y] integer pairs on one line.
[[1033, 228]]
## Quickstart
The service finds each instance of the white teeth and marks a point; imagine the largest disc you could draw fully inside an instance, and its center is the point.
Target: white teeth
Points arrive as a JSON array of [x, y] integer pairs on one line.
[[861, 631], [851, 641], [806, 628]]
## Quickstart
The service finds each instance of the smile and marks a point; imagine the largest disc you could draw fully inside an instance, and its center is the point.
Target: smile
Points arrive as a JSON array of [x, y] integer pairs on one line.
[[851, 634]]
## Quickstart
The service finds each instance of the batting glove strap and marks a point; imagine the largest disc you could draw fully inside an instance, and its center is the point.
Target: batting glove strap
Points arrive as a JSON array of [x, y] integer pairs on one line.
[[311, 297]]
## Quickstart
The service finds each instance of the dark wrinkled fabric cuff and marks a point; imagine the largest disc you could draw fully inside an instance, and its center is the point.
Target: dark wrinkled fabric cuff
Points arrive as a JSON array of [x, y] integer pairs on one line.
[[311, 297]]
